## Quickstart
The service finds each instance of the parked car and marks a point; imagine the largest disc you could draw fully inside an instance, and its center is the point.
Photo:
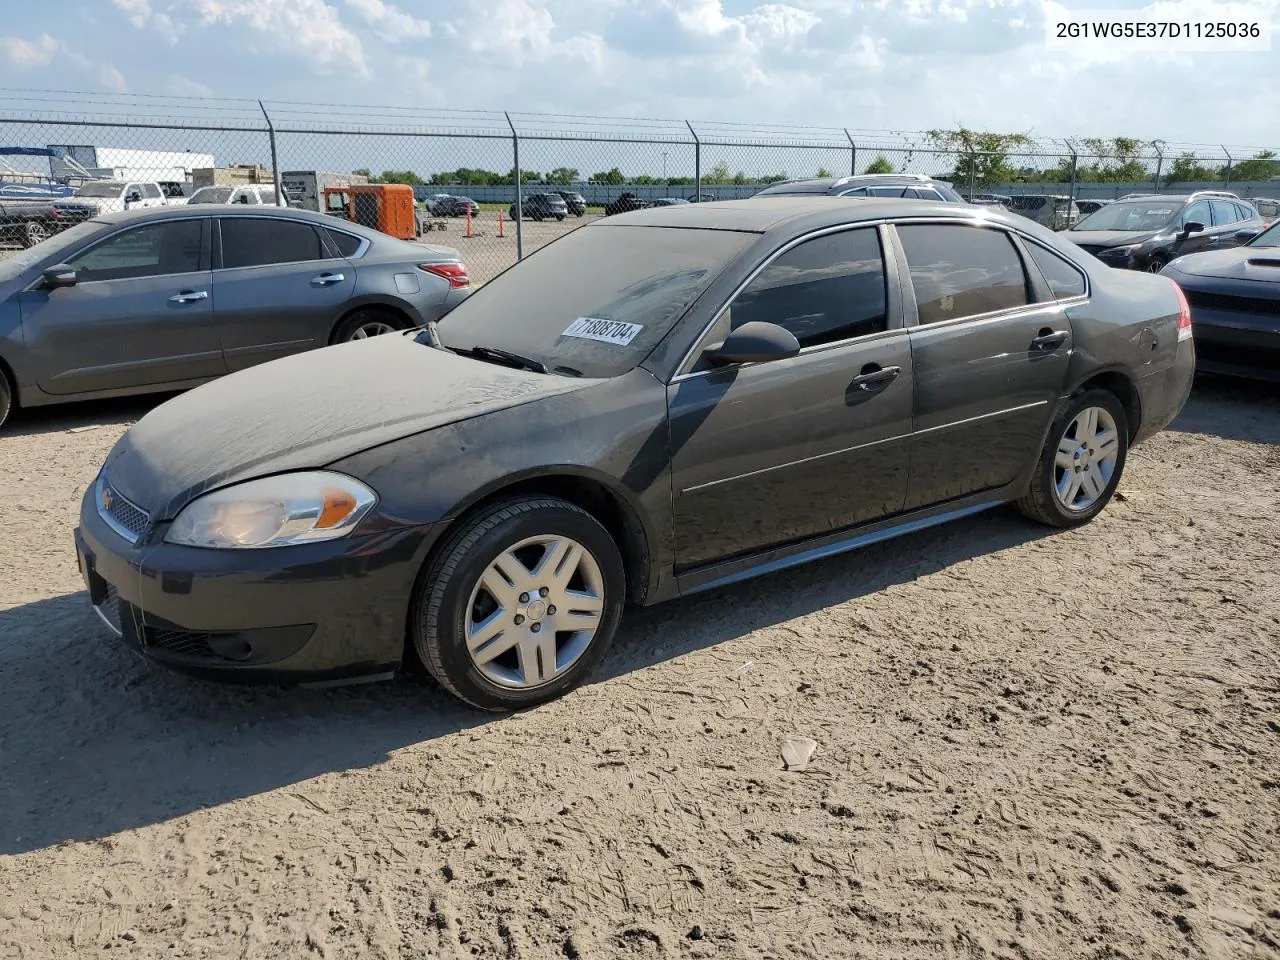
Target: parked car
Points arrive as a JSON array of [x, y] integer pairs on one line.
[[989, 200], [1145, 233], [541, 206], [447, 205], [667, 202], [1235, 306], [701, 198], [575, 202], [26, 222], [150, 300], [1087, 207], [108, 196], [624, 203], [176, 192], [733, 389], [1055, 211], [1268, 207], [909, 185], [251, 194]]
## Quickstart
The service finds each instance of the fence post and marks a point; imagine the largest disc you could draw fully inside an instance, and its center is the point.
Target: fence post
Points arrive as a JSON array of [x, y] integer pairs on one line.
[[515, 157], [1074, 163], [697, 162], [275, 163], [1229, 163], [853, 154], [973, 170], [1159, 166]]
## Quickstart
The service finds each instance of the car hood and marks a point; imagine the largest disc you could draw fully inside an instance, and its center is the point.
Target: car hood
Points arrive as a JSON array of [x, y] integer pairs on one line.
[[1107, 238], [307, 411], [1260, 264]]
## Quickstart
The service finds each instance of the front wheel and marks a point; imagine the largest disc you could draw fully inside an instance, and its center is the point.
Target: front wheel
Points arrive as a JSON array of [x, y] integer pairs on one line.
[[520, 605], [1156, 263], [1081, 463], [559, 217]]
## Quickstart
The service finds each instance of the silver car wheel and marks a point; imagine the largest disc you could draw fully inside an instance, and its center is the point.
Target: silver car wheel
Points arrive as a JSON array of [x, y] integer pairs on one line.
[[1086, 459], [374, 328], [1155, 266], [534, 611]]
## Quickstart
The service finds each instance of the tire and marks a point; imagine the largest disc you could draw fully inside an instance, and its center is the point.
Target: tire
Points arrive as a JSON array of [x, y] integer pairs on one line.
[[1156, 263], [451, 594], [33, 232], [367, 321], [6, 398], [1043, 500], [559, 217], [580, 213]]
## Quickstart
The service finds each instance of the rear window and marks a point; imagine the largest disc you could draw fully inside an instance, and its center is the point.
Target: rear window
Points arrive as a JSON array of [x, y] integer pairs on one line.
[[598, 300]]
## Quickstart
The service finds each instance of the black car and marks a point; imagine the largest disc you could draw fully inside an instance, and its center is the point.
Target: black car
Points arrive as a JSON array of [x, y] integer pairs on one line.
[[668, 202], [451, 206], [1145, 233], [27, 222], [165, 298], [624, 203], [1235, 306], [542, 206], [575, 202], [701, 198], [724, 390], [1087, 207], [908, 185]]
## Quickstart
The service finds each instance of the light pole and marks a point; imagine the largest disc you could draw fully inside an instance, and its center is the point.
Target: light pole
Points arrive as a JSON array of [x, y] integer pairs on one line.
[[664, 165]]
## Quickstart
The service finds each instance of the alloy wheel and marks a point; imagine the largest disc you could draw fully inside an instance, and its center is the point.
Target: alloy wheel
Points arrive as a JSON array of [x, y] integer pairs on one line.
[[1086, 458], [534, 611], [374, 328]]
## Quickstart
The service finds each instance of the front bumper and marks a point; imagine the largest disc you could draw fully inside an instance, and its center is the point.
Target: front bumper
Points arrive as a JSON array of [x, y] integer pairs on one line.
[[1236, 343], [314, 613]]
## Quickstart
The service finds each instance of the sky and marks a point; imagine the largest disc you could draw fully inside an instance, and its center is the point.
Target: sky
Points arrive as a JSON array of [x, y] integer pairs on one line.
[[864, 64]]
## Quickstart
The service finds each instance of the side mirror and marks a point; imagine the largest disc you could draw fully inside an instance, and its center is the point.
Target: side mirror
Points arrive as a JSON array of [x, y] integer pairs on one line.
[[755, 342], [59, 275], [1191, 226]]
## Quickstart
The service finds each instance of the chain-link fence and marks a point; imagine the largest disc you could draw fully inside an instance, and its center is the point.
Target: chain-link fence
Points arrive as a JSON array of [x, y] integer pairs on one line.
[[532, 177]]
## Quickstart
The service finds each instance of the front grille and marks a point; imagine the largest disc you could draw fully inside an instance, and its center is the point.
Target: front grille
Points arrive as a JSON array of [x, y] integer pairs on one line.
[[129, 520], [1232, 303]]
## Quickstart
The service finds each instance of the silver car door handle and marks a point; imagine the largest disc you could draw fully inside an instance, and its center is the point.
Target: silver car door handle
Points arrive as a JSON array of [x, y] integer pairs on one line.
[[324, 279], [189, 296]]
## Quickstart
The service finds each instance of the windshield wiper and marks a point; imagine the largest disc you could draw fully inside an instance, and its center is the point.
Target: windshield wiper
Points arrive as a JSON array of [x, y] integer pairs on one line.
[[481, 352]]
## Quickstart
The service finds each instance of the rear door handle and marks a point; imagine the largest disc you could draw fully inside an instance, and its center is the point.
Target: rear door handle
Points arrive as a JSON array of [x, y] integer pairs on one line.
[[1049, 339], [874, 377], [189, 296], [324, 279]]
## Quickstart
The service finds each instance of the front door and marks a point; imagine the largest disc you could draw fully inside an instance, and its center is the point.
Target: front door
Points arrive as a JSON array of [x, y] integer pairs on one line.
[[140, 313], [278, 290], [989, 362], [771, 453], [1198, 212]]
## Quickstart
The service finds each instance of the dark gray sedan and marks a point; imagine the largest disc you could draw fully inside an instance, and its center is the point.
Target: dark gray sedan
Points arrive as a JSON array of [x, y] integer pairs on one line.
[[167, 298], [724, 390]]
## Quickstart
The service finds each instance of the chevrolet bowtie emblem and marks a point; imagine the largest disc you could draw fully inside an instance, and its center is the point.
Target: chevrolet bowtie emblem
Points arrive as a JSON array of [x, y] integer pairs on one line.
[[107, 499]]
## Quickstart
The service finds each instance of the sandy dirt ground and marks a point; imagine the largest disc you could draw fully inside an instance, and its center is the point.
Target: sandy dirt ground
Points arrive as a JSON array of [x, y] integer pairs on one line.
[[1028, 745]]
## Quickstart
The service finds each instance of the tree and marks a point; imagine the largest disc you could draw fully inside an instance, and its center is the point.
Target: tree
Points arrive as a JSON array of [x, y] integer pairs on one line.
[[612, 177], [823, 173], [399, 176], [1117, 160], [563, 176], [366, 173], [983, 156], [1261, 166], [1186, 168], [880, 164], [773, 177], [717, 174]]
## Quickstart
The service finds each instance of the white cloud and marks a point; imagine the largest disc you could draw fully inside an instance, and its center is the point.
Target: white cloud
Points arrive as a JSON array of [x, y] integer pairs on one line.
[[389, 22], [310, 26], [142, 16], [28, 53]]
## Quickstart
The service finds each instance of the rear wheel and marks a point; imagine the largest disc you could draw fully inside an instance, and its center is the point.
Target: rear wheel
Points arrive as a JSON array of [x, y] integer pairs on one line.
[[520, 605], [6, 398], [1081, 463], [559, 217], [34, 233], [364, 324]]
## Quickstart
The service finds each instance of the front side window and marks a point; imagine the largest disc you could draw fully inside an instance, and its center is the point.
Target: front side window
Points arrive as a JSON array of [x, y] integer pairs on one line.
[[153, 250], [1198, 212], [254, 242], [1064, 279], [962, 271], [826, 289]]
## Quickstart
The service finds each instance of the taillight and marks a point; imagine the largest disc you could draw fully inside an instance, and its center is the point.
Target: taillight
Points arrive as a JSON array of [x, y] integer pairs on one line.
[[1184, 314], [455, 273]]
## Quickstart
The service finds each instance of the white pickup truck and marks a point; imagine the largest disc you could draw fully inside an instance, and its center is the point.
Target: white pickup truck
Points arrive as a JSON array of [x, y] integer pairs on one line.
[[108, 196]]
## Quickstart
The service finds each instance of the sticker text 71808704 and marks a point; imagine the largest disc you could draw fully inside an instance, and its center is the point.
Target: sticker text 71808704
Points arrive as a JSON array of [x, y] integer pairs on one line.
[[606, 331]]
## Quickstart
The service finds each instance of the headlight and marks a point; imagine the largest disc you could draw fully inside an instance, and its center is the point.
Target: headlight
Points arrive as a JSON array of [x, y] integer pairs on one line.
[[277, 511]]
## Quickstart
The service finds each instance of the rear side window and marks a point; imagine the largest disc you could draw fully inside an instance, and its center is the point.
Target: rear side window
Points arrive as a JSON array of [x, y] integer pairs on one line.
[[826, 289], [151, 191], [346, 243], [1224, 212], [924, 193], [962, 271], [887, 191], [1064, 279], [252, 242]]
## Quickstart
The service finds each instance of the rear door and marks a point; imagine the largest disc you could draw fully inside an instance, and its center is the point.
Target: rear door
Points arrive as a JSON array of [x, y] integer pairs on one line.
[[770, 453], [1226, 221], [989, 362], [140, 313], [278, 288]]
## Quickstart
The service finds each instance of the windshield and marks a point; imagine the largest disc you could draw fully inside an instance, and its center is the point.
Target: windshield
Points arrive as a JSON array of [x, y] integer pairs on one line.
[[1132, 215], [1268, 238], [211, 195], [46, 250], [597, 300], [100, 190]]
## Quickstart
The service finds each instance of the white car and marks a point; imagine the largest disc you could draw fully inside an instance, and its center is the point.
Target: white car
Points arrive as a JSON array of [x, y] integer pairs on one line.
[[108, 196], [253, 194]]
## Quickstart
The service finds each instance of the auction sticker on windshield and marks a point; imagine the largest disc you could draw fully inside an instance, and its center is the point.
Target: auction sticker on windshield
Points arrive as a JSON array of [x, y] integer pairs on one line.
[[606, 331]]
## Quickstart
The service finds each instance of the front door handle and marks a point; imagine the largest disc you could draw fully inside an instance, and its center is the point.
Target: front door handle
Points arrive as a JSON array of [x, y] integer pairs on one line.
[[324, 279], [189, 296], [1049, 339], [874, 377]]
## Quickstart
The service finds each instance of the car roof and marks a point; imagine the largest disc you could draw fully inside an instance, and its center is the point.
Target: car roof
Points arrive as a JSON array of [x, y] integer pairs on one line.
[[828, 184], [239, 209], [798, 213]]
